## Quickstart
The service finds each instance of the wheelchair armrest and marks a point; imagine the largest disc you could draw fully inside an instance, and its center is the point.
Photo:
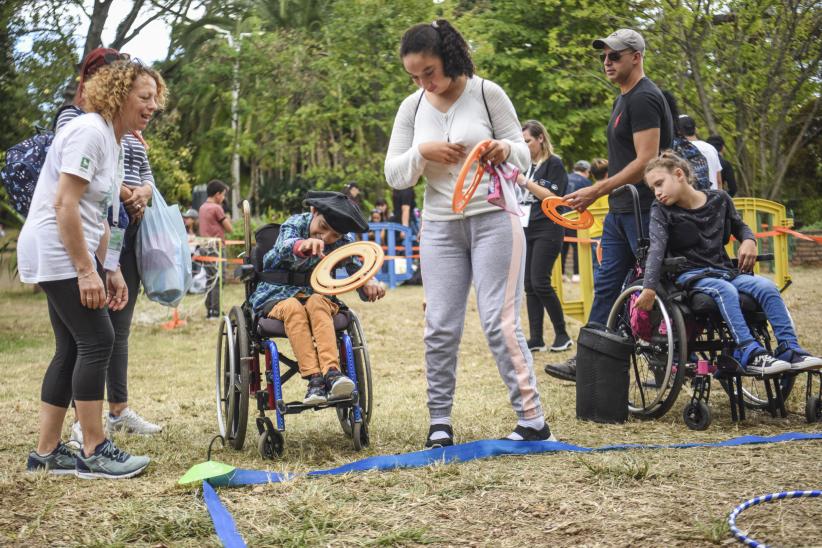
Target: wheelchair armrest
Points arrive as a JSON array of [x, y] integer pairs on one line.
[[673, 264], [764, 258], [244, 272]]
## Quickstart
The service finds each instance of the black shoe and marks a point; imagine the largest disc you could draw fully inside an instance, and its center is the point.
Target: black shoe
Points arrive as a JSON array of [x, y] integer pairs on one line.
[[566, 371], [442, 442], [316, 391], [562, 342], [531, 434], [337, 385], [537, 346]]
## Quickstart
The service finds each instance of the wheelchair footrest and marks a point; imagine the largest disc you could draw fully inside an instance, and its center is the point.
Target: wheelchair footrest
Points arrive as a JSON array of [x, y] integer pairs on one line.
[[298, 406]]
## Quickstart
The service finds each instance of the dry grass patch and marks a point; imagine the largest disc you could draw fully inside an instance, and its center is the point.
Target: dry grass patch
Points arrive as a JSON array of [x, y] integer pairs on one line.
[[638, 498]]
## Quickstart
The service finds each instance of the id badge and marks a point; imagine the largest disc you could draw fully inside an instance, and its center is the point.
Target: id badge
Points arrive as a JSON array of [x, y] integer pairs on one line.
[[526, 210], [115, 246]]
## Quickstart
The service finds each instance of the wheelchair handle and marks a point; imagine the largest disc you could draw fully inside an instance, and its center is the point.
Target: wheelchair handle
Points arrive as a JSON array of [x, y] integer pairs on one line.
[[630, 187]]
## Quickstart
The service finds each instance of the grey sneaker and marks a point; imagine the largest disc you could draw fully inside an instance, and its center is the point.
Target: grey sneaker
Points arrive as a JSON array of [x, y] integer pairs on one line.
[[59, 462], [109, 462], [130, 422], [337, 385]]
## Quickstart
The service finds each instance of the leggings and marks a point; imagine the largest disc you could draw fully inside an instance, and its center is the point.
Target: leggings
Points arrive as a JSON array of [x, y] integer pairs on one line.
[[83, 342], [116, 380], [542, 251]]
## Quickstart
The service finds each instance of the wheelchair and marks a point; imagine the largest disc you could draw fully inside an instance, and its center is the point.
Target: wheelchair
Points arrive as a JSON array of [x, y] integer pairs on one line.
[[689, 339], [241, 376]]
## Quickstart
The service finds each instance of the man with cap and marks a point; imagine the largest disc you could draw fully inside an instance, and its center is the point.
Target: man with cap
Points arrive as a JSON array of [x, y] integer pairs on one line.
[[688, 128], [640, 126], [308, 317], [579, 178]]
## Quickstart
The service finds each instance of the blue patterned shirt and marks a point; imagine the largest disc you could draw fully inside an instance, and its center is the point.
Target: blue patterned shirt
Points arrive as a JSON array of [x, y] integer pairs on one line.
[[282, 257]]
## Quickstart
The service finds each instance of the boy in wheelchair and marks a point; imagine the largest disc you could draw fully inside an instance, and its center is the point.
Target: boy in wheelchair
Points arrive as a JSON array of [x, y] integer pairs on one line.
[[308, 317], [690, 223]]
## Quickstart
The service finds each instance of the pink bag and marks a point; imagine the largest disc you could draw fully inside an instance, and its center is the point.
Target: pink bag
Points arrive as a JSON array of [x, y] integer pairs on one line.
[[641, 325], [502, 179]]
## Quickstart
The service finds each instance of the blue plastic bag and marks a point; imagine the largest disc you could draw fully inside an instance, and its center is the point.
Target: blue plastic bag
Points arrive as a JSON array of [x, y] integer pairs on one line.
[[163, 256]]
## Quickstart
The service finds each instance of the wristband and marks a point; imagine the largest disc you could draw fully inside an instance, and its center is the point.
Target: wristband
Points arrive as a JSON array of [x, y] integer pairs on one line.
[[86, 275]]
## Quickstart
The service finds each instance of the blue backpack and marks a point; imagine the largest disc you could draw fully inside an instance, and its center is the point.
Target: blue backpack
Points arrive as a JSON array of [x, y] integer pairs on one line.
[[699, 164], [24, 161]]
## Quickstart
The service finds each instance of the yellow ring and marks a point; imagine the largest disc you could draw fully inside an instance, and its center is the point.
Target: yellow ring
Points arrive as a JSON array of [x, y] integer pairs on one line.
[[322, 278]]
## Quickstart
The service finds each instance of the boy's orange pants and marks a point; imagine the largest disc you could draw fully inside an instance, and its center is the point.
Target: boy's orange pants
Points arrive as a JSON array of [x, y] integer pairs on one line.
[[310, 330]]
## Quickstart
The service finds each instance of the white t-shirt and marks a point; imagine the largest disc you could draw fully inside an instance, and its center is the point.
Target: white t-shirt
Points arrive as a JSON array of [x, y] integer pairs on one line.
[[710, 153], [87, 148]]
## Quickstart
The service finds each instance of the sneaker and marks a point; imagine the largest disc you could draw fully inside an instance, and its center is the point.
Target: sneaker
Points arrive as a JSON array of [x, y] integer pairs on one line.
[[60, 461], [130, 422], [531, 434], [567, 371], [76, 437], [800, 359], [338, 385], [575, 279], [316, 391], [763, 363], [561, 343], [446, 441], [109, 462], [537, 346]]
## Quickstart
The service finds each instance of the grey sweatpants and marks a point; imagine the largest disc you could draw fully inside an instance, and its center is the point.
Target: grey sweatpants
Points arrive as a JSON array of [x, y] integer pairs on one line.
[[490, 249]]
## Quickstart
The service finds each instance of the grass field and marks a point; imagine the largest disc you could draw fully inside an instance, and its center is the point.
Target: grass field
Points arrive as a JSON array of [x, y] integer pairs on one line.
[[637, 498]]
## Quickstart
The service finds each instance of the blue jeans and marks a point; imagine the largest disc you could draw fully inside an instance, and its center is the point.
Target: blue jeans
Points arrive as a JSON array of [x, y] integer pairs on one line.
[[726, 294], [619, 241]]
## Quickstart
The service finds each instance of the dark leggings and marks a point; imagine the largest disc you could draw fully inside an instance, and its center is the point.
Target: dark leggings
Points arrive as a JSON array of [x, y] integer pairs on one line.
[[570, 245], [542, 249], [83, 342], [116, 381]]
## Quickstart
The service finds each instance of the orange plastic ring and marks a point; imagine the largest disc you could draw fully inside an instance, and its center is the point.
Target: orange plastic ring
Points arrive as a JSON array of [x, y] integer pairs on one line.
[[549, 207], [461, 199], [322, 278]]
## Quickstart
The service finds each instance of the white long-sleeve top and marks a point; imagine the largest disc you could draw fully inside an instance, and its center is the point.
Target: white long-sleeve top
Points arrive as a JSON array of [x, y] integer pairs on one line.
[[465, 123]]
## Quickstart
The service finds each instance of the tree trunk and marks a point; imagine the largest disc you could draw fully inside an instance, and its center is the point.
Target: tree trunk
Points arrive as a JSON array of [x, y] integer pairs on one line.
[[99, 15]]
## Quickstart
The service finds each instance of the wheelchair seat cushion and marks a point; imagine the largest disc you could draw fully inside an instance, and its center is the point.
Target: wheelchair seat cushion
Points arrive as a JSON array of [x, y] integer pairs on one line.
[[701, 303], [269, 327]]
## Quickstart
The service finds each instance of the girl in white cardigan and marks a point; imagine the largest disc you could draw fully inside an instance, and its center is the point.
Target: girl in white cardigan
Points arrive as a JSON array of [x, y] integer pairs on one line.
[[433, 130]]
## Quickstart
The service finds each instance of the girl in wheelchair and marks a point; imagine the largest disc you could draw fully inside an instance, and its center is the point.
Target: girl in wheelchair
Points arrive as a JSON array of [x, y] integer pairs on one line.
[[690, 223], [308, 317]]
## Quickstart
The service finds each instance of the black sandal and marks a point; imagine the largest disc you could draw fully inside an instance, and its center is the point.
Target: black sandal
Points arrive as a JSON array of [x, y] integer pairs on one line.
[[441, 442]]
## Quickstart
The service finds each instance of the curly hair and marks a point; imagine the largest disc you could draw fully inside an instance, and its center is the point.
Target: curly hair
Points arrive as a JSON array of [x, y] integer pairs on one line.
[[669, 161], [441, 39], [108, 89], [535, 129], [599, 168]]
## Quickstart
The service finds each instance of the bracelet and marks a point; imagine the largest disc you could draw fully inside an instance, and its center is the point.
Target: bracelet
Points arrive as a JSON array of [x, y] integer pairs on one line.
[[86, 275]]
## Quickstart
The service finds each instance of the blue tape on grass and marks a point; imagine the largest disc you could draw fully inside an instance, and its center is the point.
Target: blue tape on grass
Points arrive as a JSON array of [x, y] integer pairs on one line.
[[470, 451], [223, 522]]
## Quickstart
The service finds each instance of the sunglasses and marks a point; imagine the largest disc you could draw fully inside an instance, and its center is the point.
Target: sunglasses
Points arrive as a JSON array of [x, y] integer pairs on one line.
[[614, 56]]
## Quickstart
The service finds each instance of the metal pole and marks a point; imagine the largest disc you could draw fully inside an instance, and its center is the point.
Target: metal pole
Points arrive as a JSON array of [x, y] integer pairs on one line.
[[235, 131]]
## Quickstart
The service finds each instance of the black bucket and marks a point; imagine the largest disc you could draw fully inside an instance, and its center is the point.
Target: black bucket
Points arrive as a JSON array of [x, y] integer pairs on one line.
[[603, 358]]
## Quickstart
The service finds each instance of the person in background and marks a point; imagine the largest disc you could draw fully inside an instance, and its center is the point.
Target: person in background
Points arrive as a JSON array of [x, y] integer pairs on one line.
[[579, 178], [381, 207], [65, 246], [405, 205], [214, 223], [728, 175], [543, 238], [352, 192], [135, 194], [688, 127]]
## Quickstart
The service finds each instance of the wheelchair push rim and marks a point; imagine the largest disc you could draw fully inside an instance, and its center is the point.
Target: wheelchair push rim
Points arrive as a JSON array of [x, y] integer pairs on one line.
[[652, 392]]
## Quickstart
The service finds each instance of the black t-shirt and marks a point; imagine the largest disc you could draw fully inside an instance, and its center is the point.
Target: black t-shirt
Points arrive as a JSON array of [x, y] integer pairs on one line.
[[644, 107], [551, 175], [401, 198], [728, 177]]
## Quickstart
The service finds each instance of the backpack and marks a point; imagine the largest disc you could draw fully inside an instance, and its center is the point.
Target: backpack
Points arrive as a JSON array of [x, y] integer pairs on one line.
[[24, 161], [699, 164]]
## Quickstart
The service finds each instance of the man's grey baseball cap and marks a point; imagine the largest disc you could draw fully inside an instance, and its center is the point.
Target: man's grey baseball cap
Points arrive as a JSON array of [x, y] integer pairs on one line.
[[582, 165], [620, 40]]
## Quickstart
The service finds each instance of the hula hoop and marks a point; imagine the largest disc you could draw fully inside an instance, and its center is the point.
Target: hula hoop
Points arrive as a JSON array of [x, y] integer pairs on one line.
[[549, 207], [322, 278], [461, 199], [740, 536]]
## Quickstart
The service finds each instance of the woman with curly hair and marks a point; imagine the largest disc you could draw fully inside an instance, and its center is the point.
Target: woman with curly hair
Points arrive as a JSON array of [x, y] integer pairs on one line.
[[66, 247], [434, 127], [135, 193]]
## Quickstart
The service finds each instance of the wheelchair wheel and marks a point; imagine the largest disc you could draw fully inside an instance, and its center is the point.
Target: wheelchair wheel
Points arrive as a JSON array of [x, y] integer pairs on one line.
[[359, 431], [697, 415], [813, 409], [362, 362], [657, 366], [342, 415], [271, 444], [232, 377]]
